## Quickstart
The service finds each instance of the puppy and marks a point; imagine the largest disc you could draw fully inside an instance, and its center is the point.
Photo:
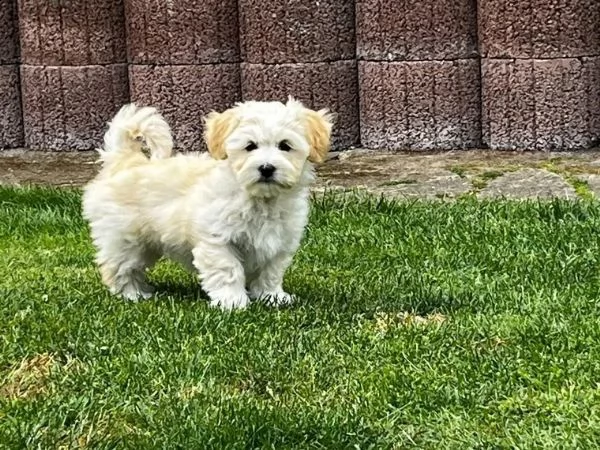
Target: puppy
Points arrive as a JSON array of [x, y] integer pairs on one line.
[[235, 215]]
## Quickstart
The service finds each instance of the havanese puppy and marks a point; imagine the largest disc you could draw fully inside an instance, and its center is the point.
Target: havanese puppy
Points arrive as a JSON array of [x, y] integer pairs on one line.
[[236, 214]]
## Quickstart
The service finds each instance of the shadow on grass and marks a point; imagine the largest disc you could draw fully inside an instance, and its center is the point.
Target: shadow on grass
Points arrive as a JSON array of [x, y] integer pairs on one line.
[[314, 309], [187, 292], [322, 304]]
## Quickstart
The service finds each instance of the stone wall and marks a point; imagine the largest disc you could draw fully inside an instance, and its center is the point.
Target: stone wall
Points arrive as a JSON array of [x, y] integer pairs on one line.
[[400, 74], [73, 70], [540, 68], [11, 123]]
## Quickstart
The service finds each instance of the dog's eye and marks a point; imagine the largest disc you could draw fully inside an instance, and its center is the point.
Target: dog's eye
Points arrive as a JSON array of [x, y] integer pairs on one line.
[[284, 146], [251, 146]]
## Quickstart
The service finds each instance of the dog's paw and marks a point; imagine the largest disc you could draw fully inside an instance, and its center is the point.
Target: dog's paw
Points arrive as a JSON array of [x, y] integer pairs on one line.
[[278, 298], [228, 299], [135, 295], [133, 292]]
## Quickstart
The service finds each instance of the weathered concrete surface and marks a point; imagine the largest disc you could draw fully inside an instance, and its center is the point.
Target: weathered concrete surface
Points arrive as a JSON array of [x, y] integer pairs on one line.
[[193, 89], [539, 28], [72, 33], [18, 167], [437, 184], [441, 175], [529, 183], [184, 32], [292, 31]]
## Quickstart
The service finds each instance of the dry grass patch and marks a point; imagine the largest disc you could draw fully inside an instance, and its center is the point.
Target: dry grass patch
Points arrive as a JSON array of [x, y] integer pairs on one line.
[[28, 379]]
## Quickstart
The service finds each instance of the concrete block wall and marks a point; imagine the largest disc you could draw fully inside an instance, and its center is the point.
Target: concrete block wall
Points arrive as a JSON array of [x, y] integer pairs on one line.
[[418, 74], [305, 49], [73, 70], [540, 73], [184, 59], [11, 122]]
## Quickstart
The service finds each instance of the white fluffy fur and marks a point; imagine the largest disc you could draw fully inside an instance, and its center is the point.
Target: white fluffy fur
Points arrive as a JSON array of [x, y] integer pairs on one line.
[[211, 212]]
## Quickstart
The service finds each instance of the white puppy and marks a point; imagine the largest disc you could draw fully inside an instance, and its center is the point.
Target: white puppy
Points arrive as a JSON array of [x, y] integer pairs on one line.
[[237, 215]]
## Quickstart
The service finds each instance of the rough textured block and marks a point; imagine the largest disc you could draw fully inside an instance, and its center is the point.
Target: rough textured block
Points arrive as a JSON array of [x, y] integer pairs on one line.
[[551, 104], [182, 32], [184, 94], [416, 30], [11, 125], [565, 106], [539, 28], [317, 85], [9, 37], [508, 104], [296, 30], [73, 32], [67, 108], [591, 75], [420, 105]]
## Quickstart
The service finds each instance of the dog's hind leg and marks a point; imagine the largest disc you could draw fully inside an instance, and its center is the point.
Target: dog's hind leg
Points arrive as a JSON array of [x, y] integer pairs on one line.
[[124, 270]]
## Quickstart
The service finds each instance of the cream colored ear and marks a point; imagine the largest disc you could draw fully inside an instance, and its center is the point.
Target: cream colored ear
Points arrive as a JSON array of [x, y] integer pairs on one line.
[[319, 125], [217, 128]]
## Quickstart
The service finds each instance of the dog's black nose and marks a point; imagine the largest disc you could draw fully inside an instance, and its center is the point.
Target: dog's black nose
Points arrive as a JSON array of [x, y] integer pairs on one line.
[[267, 170]]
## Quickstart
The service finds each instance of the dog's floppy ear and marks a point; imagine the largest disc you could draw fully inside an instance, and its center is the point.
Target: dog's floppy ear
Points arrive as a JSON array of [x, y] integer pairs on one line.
[[217, 127], [319, 125]]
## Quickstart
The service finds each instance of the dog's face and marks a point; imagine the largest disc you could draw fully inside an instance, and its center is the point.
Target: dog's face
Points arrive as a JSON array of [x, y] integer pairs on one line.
[[269, 144]]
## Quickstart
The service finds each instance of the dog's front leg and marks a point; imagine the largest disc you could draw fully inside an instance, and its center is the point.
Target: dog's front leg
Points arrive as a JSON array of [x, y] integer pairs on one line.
[[221, 274], [269, 283]]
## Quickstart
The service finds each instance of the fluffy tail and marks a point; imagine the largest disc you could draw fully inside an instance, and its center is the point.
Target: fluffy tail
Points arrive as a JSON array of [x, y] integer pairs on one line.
[[133, 126]]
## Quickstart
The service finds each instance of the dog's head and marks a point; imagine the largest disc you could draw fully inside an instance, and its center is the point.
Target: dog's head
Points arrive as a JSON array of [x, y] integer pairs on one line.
[[269, 144]]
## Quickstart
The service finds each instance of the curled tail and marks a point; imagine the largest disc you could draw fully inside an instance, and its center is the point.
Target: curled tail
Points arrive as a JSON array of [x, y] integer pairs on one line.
[[131, 127]]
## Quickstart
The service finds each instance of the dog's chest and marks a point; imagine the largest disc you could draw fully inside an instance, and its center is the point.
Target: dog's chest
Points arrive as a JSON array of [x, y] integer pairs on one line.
[[263, 233]]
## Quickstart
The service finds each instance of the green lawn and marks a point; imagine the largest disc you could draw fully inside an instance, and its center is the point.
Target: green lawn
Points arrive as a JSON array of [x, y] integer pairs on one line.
[[423, 325]]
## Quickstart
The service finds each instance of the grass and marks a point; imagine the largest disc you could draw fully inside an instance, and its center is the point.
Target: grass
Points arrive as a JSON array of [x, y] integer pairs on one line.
[[582, 188], [420, 325], [478, 180], [459, 170], [481, 181]]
